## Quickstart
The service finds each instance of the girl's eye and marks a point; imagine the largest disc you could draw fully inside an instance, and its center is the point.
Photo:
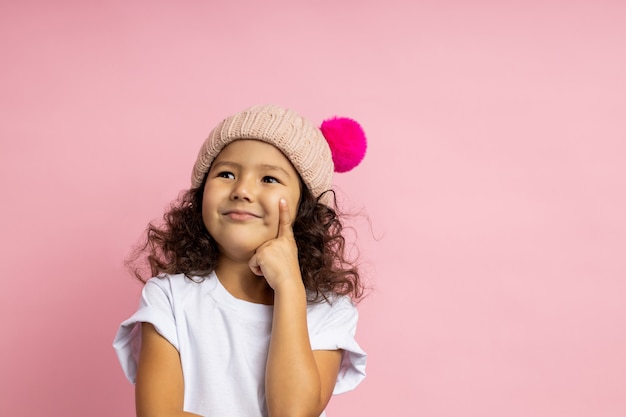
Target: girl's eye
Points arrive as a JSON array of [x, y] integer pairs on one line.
[[226, 174], [270, 180]]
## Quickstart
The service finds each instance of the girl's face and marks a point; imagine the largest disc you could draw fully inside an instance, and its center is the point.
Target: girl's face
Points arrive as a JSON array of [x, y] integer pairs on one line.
[[241, 194]]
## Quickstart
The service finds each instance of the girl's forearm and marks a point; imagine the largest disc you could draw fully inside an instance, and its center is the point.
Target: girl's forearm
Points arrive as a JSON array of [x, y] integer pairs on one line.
[[293, 385]]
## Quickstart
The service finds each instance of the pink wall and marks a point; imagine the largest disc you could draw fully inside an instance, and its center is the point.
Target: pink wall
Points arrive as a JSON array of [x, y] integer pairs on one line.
[[495, 180]]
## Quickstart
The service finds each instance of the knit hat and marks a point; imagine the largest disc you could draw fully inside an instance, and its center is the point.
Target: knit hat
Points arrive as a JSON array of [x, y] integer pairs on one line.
[[338, 145]]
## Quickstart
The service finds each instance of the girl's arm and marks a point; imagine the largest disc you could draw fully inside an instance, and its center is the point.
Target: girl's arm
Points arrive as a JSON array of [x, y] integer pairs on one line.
[[159, 387], [298, 381]]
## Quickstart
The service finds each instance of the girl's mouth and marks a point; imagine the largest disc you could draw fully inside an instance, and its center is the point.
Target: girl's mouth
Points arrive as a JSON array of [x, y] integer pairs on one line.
[[240, 215]]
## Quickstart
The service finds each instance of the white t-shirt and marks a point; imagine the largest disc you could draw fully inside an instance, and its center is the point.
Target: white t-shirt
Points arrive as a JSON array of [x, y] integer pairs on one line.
[[223, 342]]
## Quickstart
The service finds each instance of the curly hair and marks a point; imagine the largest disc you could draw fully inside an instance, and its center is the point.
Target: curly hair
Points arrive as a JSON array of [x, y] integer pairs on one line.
[[182, 244]]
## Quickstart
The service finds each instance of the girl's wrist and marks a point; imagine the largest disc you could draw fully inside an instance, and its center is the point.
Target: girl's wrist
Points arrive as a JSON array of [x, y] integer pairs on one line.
[[290, 287]]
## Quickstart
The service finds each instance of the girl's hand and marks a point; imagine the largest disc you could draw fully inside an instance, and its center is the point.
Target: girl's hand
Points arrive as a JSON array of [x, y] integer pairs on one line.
[[277, 259]]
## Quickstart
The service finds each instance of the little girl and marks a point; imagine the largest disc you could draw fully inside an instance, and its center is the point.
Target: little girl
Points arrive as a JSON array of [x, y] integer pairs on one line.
[[251, 311]]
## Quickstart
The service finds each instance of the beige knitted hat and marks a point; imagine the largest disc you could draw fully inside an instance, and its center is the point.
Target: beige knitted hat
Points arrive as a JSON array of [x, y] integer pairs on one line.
[[308, 149]]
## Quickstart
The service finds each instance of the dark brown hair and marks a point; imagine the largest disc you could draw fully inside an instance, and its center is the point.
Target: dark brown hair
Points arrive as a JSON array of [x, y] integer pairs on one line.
[[181, 244]]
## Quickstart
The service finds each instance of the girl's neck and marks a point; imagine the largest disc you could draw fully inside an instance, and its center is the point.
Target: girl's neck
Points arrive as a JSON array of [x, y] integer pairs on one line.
[[241, 283]]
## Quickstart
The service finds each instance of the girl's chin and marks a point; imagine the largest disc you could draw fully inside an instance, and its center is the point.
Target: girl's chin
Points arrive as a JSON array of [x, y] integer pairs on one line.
[[239, 253]]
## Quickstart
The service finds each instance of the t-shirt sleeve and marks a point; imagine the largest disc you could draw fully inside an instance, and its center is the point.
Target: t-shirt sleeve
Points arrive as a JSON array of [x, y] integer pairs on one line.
[[338, 332], [155, 308]]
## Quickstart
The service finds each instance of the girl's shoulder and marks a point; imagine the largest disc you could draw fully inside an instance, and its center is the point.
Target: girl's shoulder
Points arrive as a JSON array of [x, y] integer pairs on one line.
[[333, 302], [178, 285], [335, 307], [179, 280]]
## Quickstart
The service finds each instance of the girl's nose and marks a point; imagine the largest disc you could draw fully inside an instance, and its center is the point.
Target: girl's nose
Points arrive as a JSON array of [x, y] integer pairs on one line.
[[243, 190]]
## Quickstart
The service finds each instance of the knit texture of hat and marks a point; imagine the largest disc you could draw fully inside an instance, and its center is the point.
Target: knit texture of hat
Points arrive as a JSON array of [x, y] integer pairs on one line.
[[299, 140]]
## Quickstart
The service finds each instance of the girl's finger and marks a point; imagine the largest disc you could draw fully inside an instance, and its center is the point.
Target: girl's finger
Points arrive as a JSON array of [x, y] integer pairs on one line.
[[256, 269], [284, 219]]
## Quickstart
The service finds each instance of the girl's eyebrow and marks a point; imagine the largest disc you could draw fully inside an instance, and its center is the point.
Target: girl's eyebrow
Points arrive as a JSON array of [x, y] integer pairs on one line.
[[228, 163], [275, 168]]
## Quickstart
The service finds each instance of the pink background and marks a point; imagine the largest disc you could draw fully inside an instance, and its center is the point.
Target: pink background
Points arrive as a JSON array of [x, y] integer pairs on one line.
[[494, 184]]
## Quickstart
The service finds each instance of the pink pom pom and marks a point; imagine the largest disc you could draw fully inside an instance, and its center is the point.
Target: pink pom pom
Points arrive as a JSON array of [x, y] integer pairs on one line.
[[346, 140]]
